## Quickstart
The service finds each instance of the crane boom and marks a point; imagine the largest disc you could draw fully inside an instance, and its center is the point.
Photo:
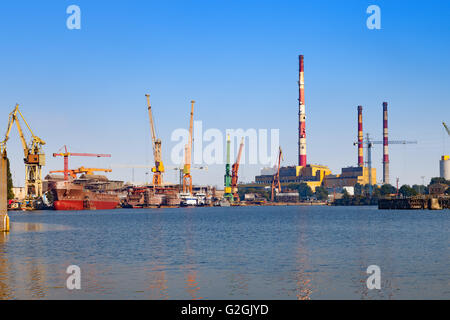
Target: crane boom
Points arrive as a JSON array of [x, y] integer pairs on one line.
[[187, 178], [67, 154], [152, 126], [446, 128], [276, 177], [234, 173], [88, 171], [369, 144]]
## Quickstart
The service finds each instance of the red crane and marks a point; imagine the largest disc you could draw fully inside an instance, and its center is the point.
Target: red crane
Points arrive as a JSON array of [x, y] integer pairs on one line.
[[234, 173], [67, 154], [276, 177]]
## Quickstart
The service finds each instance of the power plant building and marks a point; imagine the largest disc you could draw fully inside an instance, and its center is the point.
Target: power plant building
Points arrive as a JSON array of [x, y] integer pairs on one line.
[[349, 177], [312, 175]]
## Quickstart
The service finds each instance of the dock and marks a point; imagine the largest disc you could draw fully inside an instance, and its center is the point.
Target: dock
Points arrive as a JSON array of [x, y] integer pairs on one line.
[[415, 203]]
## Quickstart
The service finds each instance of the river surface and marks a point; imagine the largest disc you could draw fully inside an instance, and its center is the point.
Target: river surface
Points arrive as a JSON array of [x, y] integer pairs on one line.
[[292, 252]]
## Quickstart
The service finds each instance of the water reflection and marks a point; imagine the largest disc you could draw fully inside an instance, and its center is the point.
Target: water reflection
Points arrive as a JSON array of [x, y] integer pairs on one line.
[[158, 280], [303, 277], [5, 288], [239, 284], [370, 255], [192, 286], [36, 227]]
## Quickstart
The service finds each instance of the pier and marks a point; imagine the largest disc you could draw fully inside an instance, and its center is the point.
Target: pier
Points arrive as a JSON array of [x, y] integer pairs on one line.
[[418, 203], [4, 219]]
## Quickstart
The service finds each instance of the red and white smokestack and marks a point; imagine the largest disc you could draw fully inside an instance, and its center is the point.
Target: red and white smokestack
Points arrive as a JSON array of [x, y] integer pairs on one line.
[[360, 138], [385, 145], [302, 116]]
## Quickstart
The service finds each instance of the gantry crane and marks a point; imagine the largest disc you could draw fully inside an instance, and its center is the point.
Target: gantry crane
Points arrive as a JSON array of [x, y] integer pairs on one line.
[[66, 156], [234, 173], [81, 170], [227, 178], [158, 169], [276, 177], [368, 142], [34, 156], [187, 179]]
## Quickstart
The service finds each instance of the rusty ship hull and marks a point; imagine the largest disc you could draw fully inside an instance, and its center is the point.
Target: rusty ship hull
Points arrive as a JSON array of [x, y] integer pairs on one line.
[[70, 196]]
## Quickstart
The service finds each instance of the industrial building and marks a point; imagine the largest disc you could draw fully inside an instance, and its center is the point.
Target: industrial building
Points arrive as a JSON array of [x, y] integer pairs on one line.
[[312, 175], [350, 176]]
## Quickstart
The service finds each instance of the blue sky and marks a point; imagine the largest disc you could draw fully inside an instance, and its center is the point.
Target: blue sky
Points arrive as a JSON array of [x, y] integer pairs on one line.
[[239, 61]]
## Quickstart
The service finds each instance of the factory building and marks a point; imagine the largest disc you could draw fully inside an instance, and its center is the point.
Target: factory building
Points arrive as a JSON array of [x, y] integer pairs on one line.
[[312, 175], [349, 177], [444, 167]]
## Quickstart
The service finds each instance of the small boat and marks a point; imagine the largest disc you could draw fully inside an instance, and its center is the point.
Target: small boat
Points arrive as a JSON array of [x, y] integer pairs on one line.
[[224, 203], [187, 200]]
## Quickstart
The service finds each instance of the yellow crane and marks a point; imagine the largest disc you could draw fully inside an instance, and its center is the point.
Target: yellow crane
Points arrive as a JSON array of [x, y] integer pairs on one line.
[[187, 178], [88, 171], [158, 169], [34, 156]]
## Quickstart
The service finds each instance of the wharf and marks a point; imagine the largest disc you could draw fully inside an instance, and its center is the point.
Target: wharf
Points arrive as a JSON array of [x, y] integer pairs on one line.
[[418, 203]]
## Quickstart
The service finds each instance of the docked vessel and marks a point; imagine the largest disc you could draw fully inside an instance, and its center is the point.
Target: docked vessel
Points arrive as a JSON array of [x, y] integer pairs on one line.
[[86, 193], [151, 197], [188, 200]]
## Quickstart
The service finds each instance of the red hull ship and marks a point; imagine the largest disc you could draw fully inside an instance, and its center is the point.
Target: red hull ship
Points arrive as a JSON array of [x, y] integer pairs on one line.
[[73, 195]]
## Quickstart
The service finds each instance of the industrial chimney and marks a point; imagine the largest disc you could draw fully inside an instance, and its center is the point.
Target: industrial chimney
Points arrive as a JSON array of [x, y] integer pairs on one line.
[[385, 145], [360, 138], [302, 116]]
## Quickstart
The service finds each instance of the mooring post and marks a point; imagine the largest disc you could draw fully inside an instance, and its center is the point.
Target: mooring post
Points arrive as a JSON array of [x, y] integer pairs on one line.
[[4, 219]]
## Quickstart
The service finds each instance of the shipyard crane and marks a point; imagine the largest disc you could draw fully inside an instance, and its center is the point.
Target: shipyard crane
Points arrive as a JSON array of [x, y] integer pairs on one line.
[[81, 170], [181, 172], [66, 156], [276, 177], [158, 169], [368, 142], [34, 157], [227, 178], [187, 178], [234, 173]]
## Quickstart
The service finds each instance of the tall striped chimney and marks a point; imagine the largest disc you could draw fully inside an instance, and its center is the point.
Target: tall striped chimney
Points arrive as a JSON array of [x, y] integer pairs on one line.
[[360, 138], [385, 145], [301, 116]]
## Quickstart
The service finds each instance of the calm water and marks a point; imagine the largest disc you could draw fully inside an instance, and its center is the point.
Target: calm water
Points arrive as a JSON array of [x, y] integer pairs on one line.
[[227, 253]]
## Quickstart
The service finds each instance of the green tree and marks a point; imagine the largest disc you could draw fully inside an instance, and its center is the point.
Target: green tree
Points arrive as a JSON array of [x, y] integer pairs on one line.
[[304, 191], [376, 192], [407, 191], [9, 181], [358, 189], [439, 180], [387, 189], [321, 193], [420, 189]]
